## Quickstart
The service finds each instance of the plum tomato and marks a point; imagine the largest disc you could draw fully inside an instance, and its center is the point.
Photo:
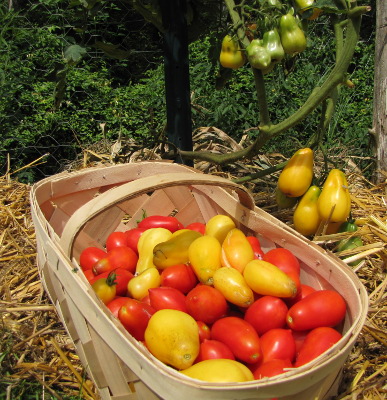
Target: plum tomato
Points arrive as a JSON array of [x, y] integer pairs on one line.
[[211, 349], [239, 336], [118, 257], [278, 344], [135, 315], [115, 239], [267, 312], [161, 221], [179, 276], [132, 237], [304, 291], [284, 259], [197, 226], [256, 246], [205, 303], [167, 297], [204, 331], [317, 341], [299, 338], [89, 256], [123, 276], [320, 308], [89, 274], [271, 368]]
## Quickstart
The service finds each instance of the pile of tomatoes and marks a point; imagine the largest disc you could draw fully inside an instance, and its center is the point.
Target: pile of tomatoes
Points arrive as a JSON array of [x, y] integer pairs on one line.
[[207, 301]]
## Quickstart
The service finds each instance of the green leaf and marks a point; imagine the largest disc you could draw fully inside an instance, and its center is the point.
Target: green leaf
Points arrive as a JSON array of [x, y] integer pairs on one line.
[[74, 53]]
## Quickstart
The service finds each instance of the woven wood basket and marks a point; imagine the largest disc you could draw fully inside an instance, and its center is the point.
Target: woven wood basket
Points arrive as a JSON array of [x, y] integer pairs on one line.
[[74, 210]]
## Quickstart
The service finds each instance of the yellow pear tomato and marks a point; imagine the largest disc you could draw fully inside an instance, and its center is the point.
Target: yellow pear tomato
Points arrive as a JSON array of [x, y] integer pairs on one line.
[[218, 226], [139, 285]]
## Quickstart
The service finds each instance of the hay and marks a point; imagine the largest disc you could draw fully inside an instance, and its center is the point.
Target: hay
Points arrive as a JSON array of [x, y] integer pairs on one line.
[[35, 348]]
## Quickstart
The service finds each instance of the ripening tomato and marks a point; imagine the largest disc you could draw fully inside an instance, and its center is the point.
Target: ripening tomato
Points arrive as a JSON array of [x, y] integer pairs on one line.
[[317, 341], [278, 344], [123, 276], [204, 331], [89, 256], [205, 303], [135, 315], [132, 237], [116, 239], [256, 246], [197, 226], [161, 221], [239, 336], [267, 312], [320, 308], [271, 368], [105, 288], [167, 297], [213, 349], [179, 276], [118, 257]]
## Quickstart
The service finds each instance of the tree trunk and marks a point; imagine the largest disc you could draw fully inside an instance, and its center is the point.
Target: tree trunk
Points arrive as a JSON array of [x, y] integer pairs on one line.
[[380, 90]]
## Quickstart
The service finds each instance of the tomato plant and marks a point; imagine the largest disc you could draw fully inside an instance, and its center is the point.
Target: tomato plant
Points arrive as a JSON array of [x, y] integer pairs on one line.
[[212, 349], [89, 256], [267, 312], [278, 344], [205, 303], [167, 297], [161, 221], [320, 308], [239, 336], [179, 276], [116, 239]]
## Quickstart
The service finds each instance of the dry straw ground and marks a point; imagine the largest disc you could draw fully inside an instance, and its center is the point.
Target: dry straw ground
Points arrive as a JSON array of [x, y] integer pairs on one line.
[[35, 349]]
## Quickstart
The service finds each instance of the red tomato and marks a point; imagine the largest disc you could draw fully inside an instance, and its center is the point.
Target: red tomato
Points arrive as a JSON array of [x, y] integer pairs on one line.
[[256, 246], [278, 344], [115, 305], [167, 297], [299, 338], [179, 276], [161, 221], [305, 290], [210, 349], [316, 342], [204, 331], [90, 256], [105, 288], [205, 303], [123, 276], [271, 368], [116, 239], [320, 308], [283, 259], [267, 312], [239, 336], [135, 315], [197, 226], [118, 257], [89, 274], [132, 236]]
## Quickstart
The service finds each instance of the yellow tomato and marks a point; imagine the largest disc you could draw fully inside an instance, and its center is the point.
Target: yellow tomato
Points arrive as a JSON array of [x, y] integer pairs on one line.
[[306, 217], [219, 370], [172, 336], [204, 255], [297, 175], [231, 283], [231, 56], [218, 226], [268, 280], [236, 250], [138, 286]]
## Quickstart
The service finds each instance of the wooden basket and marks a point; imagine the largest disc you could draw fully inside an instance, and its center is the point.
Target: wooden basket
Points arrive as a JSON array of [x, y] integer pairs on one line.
[[74, 210]]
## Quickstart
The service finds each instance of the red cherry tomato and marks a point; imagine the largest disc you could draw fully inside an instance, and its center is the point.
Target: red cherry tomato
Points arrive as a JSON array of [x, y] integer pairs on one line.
[[179, 276], [320, 308], [161, 221], [256, 246], [132, 236], [167, 297], [135, 315], [119, 257], [205, 303], [197, 226], [271, 368], [115, 305], [123, 276], [90, 256], [317, 341], [211, 349], [278, 344], [239, 336], [305, 290], [204, 331], [283, 259], [267, 312], [116, 239]]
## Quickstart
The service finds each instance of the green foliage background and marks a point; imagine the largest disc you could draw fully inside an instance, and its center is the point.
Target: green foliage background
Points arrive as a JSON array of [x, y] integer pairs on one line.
[[104, 96]]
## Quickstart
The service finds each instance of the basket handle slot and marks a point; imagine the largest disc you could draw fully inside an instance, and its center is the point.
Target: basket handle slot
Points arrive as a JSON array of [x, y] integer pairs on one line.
[[141, 186]]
